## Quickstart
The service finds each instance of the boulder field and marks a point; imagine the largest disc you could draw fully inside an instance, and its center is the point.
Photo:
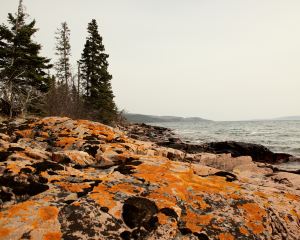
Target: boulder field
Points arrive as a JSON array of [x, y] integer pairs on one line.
[[76, 179]]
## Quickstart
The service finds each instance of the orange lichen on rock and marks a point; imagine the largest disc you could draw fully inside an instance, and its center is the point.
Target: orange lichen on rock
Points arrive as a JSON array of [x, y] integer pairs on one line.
[[205, 219], [254, 217], [24, 133], [102, 196], [162, 218], [234, 196], [52, 236], [14, 167], [126, 155], [196, 222], [118, 178], [98, 129], [48, 213], [295, 213], [260, 194], [226, 236], [253, 211], [4, 232], [20, 210], [127, 188], [73, 187], [198, 202], [293, 197], [244, 231], [52, 177], [66, 141]]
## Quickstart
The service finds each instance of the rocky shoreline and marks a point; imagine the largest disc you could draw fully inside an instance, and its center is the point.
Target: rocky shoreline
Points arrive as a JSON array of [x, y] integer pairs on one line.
[[76, 179], [165, 137]]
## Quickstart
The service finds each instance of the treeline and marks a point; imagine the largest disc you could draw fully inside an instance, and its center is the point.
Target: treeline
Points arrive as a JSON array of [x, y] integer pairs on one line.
[[30, 84]]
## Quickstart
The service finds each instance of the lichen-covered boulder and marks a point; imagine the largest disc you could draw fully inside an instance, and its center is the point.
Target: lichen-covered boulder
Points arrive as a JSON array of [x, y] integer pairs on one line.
[[85, 180]]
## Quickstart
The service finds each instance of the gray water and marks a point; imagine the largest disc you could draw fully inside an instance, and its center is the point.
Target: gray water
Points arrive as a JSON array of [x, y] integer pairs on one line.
[[278, 136]]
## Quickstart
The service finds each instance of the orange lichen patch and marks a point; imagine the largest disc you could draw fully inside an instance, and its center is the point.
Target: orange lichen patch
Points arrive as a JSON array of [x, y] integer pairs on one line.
[[35, 224], [24, 133], [260, 194], [216, 226], [112, 146], [48, 213], [20, 210], [234, 196], [286, 218], [254, 217], [98, 129], [76, 204], [117, 213], [152, 173], [51, 177], [197, 201], [52, 120], [127, 188], [183, 185], [20, 156], [219, 185], [43, 134], [90, 125], [66, 141], [256, 228], [101, 195], [52, 236], [294, 213], [253, 211], [126, 155], [73, 187], [163, 199], [4, 232], [205, 219], [14, 167], [194, 222], [292, 197], [244, 231], [267, 204], [162, 218], [226, 236], [76, 158]]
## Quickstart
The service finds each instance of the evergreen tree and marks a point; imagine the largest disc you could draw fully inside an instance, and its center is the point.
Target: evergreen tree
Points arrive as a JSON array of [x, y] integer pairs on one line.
[[22, 70], [63, 51], [95, 78]]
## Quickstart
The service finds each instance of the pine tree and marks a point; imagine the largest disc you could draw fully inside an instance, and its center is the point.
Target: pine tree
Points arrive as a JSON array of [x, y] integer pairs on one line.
[[96, 80], [23, 74], [63, 51]]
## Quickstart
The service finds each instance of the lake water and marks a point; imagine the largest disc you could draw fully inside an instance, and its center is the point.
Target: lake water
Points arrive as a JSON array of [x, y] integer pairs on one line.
[[278, 136]]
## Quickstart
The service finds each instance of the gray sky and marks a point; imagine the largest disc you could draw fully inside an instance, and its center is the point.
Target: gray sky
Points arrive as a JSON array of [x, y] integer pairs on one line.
[[217, 59]]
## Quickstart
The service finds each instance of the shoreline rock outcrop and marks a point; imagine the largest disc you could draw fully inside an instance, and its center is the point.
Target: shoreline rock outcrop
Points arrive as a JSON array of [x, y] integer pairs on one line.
[[76, 179], [165, 137]]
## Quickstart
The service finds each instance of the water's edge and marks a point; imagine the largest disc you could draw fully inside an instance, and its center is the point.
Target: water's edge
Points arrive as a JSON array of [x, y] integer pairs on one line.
[[278, 136]]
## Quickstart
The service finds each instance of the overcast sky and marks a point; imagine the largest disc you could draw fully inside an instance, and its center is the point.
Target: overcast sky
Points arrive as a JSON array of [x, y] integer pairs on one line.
[[217, 59]]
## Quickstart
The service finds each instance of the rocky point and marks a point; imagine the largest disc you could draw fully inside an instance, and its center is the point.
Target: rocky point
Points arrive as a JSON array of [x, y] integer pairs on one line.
[[67, 179]]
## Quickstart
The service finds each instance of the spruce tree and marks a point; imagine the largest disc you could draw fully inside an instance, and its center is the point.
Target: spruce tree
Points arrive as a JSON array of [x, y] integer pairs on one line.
[[63, 51], [23, 72], [96, 80]]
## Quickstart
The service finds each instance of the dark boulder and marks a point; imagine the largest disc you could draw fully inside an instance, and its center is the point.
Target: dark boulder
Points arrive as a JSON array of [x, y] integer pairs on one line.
[[259, 153]]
